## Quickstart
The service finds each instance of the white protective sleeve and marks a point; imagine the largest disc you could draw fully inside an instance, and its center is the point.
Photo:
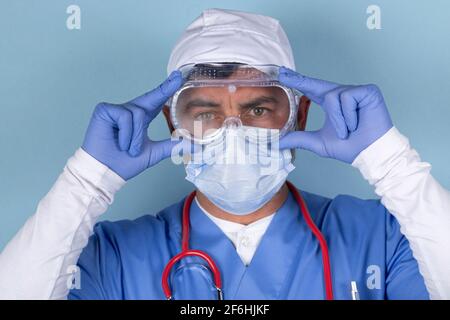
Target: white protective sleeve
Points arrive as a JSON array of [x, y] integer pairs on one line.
[[38, 263], [419, 203]]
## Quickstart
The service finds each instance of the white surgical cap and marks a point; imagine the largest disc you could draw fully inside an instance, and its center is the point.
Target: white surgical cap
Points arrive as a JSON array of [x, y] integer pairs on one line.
[[232, 36]]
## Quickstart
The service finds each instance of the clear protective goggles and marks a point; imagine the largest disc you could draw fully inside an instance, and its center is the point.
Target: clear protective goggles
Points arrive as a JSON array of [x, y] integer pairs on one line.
[[216, 96]]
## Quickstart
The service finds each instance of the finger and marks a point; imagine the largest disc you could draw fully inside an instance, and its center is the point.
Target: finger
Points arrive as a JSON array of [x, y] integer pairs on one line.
[[152, 101], [185, 150], [366, 94], [121, 119], [139, 129], [349, 107], [306, 140], [333, 110], [161, 150], [315, 89]]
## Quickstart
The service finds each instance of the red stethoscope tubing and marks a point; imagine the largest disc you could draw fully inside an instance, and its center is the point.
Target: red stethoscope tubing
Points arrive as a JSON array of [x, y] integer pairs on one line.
[[186, 252], [320, 238]]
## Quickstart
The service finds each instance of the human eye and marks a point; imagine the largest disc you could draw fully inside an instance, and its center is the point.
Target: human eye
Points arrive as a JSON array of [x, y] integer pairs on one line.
[[204, 116], [258, 111]]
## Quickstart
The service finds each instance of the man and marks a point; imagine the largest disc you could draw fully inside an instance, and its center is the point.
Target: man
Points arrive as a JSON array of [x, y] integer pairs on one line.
[[260, 239]]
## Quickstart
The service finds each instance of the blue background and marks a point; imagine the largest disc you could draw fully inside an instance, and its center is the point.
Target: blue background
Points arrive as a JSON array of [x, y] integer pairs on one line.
[[52, 77]]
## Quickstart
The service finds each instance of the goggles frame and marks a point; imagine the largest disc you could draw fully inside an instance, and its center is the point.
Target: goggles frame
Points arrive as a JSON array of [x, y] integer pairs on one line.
[[256, 76]]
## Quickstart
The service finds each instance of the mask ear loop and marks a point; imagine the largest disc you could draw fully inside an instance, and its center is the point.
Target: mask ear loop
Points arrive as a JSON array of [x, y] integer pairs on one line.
[[186, 252]]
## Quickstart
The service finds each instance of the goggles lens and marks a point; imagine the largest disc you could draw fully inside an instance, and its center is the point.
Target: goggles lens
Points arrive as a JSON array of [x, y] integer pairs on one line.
[[213, 94], [201, 111]]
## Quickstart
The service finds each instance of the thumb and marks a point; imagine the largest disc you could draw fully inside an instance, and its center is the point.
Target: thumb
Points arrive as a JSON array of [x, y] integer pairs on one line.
[[161, 150], [307, 140]]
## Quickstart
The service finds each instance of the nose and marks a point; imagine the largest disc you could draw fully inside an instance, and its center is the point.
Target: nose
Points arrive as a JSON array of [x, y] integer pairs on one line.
[[232, 122]]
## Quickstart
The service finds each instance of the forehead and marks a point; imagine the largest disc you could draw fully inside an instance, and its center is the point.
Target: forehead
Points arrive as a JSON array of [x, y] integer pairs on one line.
[[231, 81], [226, 72], [229, 91]]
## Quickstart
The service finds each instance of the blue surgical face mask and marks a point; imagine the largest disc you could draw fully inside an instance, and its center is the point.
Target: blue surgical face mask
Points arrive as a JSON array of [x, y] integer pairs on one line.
[[241, 171]]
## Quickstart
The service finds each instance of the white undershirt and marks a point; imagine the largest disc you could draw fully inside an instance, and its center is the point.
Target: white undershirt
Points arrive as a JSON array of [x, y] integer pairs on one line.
[[245, 238]]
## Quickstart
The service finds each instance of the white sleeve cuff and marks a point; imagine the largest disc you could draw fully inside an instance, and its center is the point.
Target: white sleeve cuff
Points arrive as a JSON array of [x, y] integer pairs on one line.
[[98, 176], [374, 162]]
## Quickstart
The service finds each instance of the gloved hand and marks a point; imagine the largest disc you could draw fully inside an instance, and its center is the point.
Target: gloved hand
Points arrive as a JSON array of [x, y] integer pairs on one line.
[[356, 116], [117, 134]]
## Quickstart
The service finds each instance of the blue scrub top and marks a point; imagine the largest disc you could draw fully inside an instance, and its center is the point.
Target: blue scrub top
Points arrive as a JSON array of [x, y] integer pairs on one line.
[[125, 259]]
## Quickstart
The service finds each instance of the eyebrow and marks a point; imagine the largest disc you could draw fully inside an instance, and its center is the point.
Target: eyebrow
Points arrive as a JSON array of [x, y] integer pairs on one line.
[[257, 101], [198, 102]]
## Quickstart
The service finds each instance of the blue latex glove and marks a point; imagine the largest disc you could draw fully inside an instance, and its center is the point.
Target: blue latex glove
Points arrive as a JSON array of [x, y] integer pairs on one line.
[[356, 116], [117, 134]]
